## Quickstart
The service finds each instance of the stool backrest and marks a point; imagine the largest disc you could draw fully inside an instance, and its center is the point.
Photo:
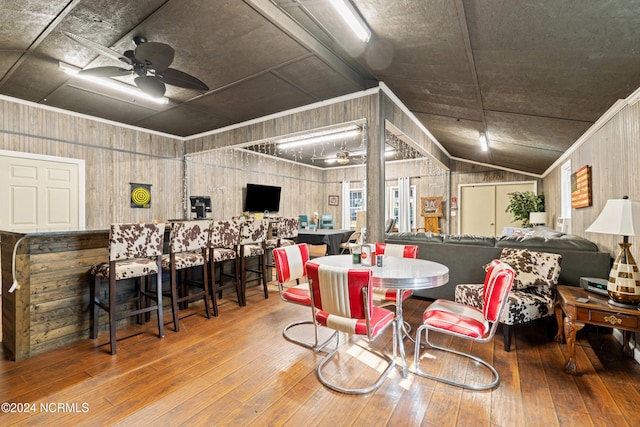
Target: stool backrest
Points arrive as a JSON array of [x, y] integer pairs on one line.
[[288, 228], [127, 241], [189, 236], [252, 232], [224, 233]]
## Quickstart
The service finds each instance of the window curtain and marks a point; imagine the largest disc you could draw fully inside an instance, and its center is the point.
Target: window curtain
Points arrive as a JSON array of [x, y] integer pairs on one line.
[[404, 194], [346, 205]]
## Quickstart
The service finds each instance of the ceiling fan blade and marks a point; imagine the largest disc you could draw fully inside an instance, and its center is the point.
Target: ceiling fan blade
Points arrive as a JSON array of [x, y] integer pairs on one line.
[[97, 48], [105, 72], [151, 86], [174, 77], [157, 56]]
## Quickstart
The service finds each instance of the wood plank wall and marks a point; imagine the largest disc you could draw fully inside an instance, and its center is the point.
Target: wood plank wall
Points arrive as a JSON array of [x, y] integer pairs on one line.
[[222, 174], [117, 155], [613, 152], [114, 157]]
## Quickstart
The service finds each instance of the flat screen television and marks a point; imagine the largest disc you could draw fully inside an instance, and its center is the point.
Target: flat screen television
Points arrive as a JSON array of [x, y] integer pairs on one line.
[[260, 198], [200, 205]]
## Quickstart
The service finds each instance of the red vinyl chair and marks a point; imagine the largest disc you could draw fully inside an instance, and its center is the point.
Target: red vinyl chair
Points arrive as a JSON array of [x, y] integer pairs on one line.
[[291, 268], [468, 322], [343, 302], [384, 296]]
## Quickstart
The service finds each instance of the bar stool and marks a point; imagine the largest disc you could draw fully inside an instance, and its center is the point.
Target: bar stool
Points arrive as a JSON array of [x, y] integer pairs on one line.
[[252, 244], [188, 243], [135, 251], [222, 250]]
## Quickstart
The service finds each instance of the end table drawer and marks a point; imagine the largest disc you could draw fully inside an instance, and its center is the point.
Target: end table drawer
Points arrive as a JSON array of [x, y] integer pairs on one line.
[[612, 319]]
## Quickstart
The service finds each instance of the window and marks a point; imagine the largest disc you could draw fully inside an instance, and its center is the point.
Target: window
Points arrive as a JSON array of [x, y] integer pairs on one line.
[[394, 202], [356, 203], [565, 190]]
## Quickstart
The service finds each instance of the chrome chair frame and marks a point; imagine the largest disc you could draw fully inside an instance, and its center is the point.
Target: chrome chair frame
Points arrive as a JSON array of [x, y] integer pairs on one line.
[[366, 301], [289, 295], [504, 269]]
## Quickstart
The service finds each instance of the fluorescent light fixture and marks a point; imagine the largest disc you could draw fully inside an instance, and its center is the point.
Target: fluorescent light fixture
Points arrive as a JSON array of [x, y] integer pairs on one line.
[[483, 142], [111, 84], [321, 136], [352, 18]]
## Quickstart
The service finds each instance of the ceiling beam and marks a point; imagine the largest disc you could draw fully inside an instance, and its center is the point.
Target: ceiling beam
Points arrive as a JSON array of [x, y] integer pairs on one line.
[[276, 16]]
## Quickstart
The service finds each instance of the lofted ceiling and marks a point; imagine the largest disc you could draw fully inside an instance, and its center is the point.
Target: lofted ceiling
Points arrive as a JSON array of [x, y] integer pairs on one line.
[[533, 74]]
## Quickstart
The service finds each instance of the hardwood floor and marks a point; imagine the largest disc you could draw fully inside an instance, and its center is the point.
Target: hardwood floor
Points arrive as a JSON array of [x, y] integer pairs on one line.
[[238, 370]]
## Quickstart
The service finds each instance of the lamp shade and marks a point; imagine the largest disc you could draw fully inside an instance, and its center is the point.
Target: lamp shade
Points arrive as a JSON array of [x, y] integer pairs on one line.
[[619, 216], [538, 218]]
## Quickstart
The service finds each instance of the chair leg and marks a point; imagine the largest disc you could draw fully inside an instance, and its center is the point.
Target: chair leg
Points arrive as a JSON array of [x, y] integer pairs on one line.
[[205, 289], [93, 309], [112, 311], [174, 298], [212, 286], [236, 276], [391, 363], [507, 331], [264, 275], [416, 362], [243, 280], [159, 298]]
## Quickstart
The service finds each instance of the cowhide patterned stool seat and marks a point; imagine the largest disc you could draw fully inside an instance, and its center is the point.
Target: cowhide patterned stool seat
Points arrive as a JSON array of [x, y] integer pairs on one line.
[[223, 249], [135, 251], [188, 242]]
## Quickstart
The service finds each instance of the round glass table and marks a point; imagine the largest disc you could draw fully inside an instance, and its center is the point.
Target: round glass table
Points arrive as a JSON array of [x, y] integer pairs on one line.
[[400, 274]]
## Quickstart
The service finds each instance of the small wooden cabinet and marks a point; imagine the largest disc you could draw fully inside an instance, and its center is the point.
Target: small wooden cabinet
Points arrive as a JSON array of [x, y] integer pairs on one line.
[[431, 224]]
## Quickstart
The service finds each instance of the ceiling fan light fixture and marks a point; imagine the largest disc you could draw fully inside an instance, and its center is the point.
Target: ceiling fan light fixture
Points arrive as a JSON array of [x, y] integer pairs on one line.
[[353, 19], [342, 157], [111, 84]]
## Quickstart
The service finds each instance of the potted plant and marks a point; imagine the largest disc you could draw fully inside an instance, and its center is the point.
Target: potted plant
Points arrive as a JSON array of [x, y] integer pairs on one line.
[[521, 203]]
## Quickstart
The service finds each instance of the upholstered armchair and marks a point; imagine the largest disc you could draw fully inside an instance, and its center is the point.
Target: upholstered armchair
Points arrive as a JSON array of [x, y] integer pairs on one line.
[[326, 221], [534, 289]]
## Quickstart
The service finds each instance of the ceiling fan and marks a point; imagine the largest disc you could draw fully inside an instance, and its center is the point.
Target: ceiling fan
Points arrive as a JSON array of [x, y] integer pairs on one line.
[[149, 62], [342, 157]]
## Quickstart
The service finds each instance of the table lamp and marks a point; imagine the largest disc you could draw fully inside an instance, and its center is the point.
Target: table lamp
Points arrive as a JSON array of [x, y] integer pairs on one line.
[[537, 218], [621, 217]]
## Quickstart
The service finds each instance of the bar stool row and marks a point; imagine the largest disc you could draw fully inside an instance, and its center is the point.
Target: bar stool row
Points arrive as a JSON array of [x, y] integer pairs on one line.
[[136, 252]]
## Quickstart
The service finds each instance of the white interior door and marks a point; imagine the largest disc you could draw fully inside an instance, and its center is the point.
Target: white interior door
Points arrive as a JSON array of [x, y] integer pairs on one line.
[[478, 210], [483, 208], [39, 195]]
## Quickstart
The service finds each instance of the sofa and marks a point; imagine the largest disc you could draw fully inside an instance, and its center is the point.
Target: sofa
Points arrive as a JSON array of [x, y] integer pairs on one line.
[[465, 255]]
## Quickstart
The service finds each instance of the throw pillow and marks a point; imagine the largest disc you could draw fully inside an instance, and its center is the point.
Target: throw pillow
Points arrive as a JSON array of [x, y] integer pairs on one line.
[[533, 269]]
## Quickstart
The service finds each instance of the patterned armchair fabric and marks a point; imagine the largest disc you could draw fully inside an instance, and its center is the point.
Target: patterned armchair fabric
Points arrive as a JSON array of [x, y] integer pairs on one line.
[[533, 294]]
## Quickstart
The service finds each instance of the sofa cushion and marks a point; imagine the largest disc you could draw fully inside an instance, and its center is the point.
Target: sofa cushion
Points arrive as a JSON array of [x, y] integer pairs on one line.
[[533, 269], [469, 240]]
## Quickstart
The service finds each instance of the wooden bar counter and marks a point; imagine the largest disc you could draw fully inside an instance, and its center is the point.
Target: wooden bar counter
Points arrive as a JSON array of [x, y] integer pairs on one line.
[[50, 309]]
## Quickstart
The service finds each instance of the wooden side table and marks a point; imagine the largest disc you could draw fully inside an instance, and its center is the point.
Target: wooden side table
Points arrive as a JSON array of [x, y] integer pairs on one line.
[[596, 311]]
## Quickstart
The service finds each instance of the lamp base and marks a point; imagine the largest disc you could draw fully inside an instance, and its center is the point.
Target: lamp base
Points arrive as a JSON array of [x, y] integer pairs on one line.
[[622, 304], [624, 279]]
